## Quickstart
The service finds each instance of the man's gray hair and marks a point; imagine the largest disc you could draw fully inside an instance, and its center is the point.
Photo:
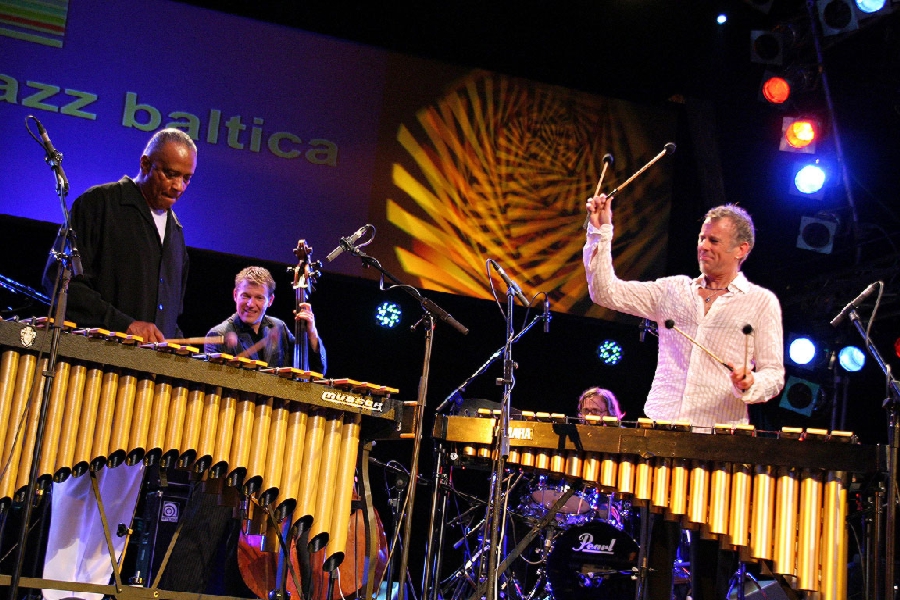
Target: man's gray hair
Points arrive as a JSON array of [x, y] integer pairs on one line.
[[164, 136], [740, 218]]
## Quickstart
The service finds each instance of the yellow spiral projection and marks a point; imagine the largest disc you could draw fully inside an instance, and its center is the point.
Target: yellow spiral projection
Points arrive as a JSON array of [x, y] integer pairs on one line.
[[500, 168]]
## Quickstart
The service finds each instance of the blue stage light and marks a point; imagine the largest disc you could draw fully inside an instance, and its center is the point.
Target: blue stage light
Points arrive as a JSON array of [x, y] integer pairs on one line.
[[810, 179], [870, 6], [609, 352], [802, 351], [388, 314], [851, 358]]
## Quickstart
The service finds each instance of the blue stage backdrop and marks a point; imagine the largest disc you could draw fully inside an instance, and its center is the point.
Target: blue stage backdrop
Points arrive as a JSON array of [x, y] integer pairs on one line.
[[303, 136]]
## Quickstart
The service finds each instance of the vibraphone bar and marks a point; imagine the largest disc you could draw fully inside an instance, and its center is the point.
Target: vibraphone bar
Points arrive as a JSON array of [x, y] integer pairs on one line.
[[778, 498], [290, 443]]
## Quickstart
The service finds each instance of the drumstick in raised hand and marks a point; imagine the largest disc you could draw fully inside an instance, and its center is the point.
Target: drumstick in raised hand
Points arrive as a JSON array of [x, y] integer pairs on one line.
[[670, 324], [607, 160], [669, 148]]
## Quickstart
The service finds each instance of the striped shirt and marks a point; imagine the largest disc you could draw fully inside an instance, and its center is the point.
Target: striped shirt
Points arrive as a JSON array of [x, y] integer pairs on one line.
[[689, 384]]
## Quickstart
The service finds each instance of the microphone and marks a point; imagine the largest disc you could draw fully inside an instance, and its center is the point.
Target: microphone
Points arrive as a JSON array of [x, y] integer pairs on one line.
[[853, 304], [511, 284], [54, 157], [547, 316], [346, 243]]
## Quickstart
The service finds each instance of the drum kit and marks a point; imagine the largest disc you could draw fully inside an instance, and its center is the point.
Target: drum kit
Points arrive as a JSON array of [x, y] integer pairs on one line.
[[588, 549]]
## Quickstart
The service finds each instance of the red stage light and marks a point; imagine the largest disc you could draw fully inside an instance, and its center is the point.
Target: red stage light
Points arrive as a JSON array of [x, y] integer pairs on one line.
[[776, 90]]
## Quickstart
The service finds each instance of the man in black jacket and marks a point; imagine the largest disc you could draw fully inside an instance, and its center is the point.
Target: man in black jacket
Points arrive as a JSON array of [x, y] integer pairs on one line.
[[132, 245], [135, 266]]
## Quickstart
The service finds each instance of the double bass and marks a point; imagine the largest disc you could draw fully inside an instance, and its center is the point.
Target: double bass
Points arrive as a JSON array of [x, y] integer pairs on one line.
[[260, 568], [305, 275]]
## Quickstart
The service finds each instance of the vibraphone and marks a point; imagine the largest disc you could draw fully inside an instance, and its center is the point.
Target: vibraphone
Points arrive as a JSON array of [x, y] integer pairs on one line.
[[292, 444], [781, 499]]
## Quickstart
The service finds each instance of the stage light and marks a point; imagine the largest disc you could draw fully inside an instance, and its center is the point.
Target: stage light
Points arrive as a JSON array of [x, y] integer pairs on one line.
[[800, 395], [816, 234], [897, 347], [851, 358], [775, 89], [778, 87], [837, 16], [809, 180], [388, 314], [870, 6], [802, 351], [721, 19], [609, 352], [767, 47], [798, 135]]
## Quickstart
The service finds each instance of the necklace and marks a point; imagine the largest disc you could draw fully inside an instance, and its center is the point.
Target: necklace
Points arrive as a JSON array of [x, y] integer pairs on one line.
[[715, 291], [714, 294]]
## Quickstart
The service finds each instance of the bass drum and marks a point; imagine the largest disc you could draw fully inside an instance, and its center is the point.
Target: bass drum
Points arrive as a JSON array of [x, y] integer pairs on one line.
[[594, 561]]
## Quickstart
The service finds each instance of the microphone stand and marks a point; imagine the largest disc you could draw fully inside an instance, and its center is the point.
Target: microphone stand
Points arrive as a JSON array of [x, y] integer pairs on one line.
[[70, 265], [439, 499], [441, 471], [456, 395], [427, 321], [400, 483], [496, 514], [891, 406]]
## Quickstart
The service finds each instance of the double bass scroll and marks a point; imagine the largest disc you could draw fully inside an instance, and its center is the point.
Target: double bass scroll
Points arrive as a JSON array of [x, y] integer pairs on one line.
[[305, 275]]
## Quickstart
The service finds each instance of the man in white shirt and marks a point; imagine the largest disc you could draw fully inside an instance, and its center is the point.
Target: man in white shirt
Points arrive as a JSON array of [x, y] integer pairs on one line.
[[692, 381]]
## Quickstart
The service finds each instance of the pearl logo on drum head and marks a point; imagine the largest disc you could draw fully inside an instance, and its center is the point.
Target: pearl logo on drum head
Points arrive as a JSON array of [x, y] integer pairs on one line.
[[586, 544]]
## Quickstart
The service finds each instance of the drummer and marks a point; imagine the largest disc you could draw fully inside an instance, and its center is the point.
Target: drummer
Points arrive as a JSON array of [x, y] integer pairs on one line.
[[598, 402]]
